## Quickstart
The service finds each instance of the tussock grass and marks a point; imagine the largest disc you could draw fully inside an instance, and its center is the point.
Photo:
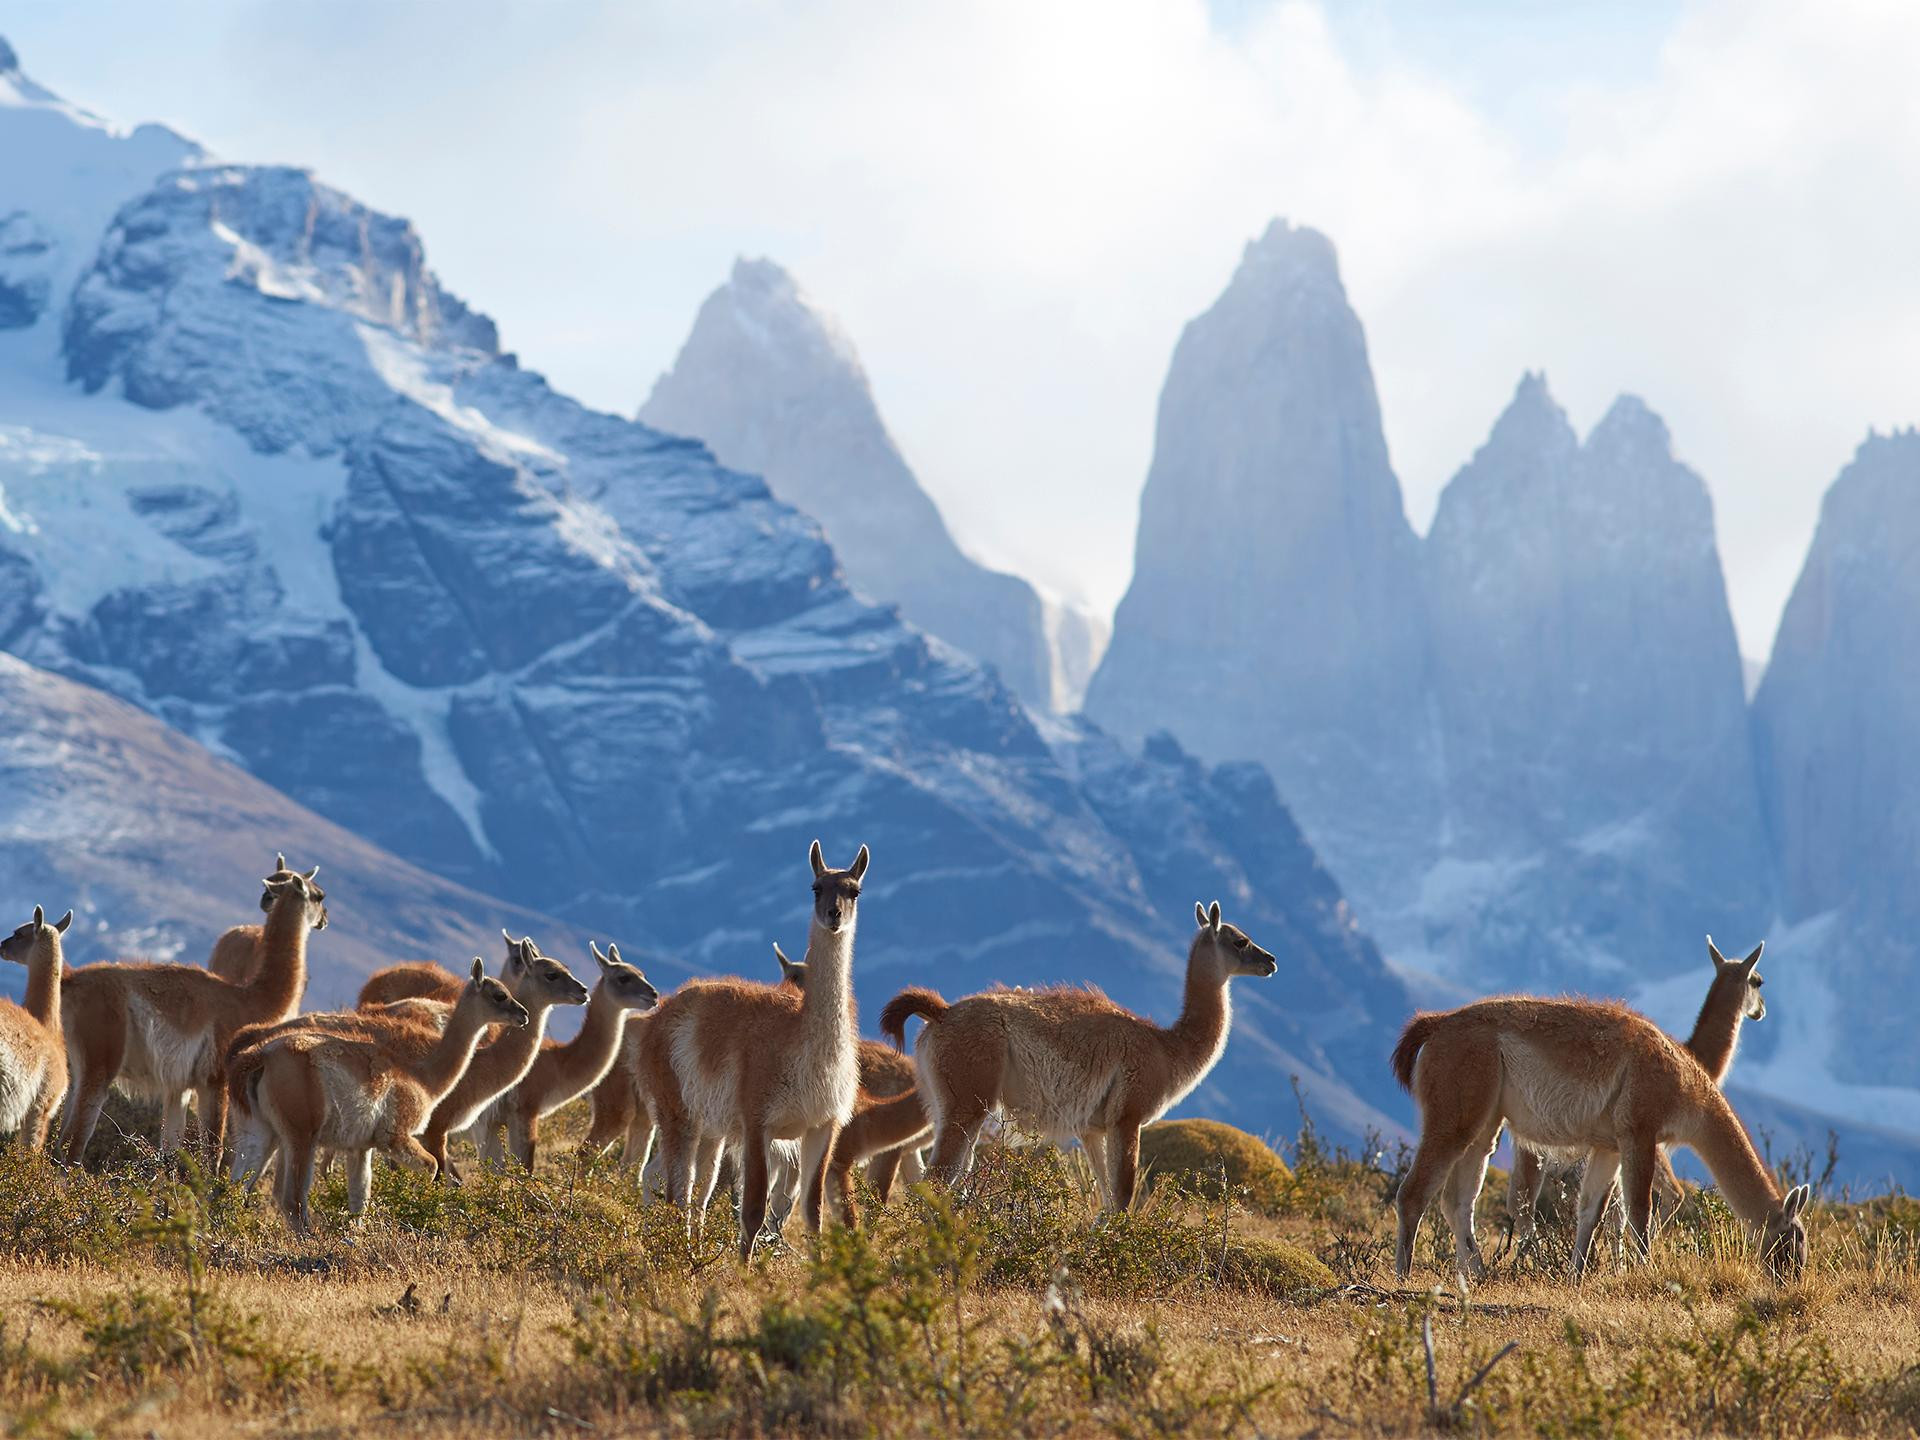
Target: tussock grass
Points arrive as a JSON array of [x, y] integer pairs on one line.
[[149, 1300]]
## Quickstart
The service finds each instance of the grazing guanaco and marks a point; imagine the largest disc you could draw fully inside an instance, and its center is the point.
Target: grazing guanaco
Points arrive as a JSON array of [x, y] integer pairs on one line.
[[563, 1072], [1069, 1062], [237, 951], [33, 1050], [358, 1094], [1573, 1075], [1733, 997], [160, 1031], [539, 983], [731, 1063]]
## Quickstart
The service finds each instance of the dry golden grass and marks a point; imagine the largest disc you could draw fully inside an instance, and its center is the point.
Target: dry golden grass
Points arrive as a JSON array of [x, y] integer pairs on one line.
[[136, 1303]]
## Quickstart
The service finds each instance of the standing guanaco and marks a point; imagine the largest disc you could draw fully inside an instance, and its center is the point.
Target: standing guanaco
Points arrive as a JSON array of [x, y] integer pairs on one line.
[[33, 1049]]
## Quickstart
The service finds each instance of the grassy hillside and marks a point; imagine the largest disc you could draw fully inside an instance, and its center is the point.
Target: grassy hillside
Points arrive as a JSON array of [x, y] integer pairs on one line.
[[138, 1304]]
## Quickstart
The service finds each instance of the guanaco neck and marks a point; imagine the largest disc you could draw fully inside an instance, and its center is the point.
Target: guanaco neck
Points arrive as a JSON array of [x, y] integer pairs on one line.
[[443, 1066], [1716, 1033], [1721, 1142], [827, 1002], [43, 982], [1205, 1012], [584, 1060], [497, 1066], [280, 977]]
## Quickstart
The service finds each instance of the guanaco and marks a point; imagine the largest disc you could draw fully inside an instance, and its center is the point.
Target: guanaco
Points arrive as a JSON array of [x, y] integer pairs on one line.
[[539, 983], [237, 951], [1573, 1075], [1069, 1062], [1733, 997], [33, 1050], [731, 1063], [563, 1072], [358, 1094], [161, 1031], [253, 1141]]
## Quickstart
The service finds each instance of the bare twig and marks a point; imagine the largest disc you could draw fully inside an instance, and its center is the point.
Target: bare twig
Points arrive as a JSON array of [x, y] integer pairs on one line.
[[1426, 1343]]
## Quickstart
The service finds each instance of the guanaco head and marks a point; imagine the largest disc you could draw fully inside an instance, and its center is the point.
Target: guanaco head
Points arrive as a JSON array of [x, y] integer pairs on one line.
[[496, 1002], [630, 989], [279, 870], [1783, 1243], [835, 892], [1227, 946], [290, 887], [21, 945], [1742, 974], [532, 976], [793, 973]]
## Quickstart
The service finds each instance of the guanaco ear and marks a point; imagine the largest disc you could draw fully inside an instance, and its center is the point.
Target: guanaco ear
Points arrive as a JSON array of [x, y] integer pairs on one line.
[[479, 969], [63, 922], [279, 861], [308, 877], [1200, 913], [1213, 916], [1714, 951], [859, 863], [39, 918], [613, 954], [1752, 960], [598, 958], [1796, 1201], [813, 859], [780, 955]]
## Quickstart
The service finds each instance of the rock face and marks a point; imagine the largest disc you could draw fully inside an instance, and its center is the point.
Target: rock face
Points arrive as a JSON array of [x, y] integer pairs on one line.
[[300, 506], [1276, 611], [1591, 704], [1521, 744], [1834, 722], [773, 385]]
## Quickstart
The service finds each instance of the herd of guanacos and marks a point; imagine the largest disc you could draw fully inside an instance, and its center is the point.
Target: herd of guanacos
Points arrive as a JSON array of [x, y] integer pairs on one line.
[[776, 1076]]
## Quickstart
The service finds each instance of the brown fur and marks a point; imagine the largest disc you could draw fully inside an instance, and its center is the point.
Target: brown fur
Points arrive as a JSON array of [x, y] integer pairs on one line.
[[1573, 1074], [200, 1012], [538, 983], [33, 1050], [236, 953], [400, 1078], [889, 1119], [619, 1106], [1070, 1061], [779, 1064], [1733, 996], [416, 980], [562, 1072]]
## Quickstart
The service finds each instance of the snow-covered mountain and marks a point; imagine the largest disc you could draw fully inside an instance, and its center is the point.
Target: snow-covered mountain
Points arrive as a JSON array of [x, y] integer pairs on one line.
[[1276, 610], [261, 476], [159, 846], [772, 383]]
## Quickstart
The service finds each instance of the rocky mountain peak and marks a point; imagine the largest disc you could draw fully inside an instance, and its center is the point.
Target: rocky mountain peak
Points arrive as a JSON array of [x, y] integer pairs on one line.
[[771, 382], [9, 57]]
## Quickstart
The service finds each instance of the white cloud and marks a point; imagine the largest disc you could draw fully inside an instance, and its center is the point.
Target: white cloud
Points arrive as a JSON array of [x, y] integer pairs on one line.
[[1015, 206]]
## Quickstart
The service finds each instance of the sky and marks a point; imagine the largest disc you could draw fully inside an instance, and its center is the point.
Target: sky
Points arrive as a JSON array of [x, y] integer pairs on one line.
[[1014, 205]]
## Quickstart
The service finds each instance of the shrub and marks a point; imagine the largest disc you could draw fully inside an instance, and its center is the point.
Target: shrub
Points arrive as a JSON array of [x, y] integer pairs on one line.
[[1198, 1153]]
